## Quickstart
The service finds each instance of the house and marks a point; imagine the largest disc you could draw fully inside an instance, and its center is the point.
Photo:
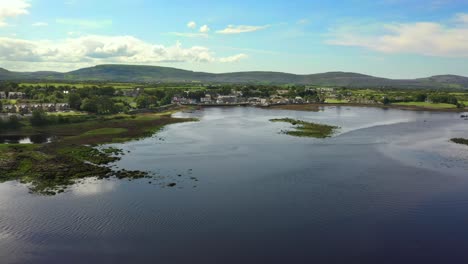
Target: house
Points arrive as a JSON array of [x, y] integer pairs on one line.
[[226, 99], [133, 93], [23, 109], [138, 91], [282, 92], [62, 107], [49, 107], [3, 95], [34, 107], [206, 99], [298, 100], [330, 90], [254, 100], [279, 101], [15, 95], [9, 108], [237, 93], [264, 102], [175, 100]]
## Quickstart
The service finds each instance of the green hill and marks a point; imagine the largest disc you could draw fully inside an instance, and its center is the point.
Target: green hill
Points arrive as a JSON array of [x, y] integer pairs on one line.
[[133, 73]]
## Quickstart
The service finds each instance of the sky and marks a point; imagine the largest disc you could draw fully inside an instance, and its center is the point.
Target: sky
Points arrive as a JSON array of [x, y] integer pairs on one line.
[[386, 38]]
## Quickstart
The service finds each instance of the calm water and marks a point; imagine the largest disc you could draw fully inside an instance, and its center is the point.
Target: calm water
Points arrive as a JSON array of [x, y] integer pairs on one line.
[[388, 188]]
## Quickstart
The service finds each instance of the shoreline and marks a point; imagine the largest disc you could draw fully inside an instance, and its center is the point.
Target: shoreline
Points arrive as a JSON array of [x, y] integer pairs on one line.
[[401, 107], [317, 106]]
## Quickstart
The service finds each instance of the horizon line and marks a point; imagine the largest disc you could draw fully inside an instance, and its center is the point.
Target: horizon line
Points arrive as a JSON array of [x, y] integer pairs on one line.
[[247, 71]]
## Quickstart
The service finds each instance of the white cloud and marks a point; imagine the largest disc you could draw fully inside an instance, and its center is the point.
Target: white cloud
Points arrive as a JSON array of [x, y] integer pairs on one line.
[[231, 29], [424, 38], [303, 21], [204, 29], [462, 18], [192, 25], [84, 23], [40, 24], [12, 8], [234, 58], [95, 49]]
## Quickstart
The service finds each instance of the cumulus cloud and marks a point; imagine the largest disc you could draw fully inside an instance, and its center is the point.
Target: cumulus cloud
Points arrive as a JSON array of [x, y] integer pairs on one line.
[[424, 38], [96, 49], [12, 8], [234, 58], [231, 29], [192, 25], [204, 29], [17, 50], [40, 24]]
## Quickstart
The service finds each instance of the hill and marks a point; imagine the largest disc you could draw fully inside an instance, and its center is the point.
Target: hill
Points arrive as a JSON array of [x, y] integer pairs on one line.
[[139, 74]]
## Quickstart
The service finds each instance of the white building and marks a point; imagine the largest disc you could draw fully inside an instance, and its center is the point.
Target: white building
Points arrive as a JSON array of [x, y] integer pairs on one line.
[[226, 99], [206, 99]]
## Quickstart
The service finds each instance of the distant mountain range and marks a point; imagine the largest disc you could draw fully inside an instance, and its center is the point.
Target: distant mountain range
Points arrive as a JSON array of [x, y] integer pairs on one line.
[[141, 74]]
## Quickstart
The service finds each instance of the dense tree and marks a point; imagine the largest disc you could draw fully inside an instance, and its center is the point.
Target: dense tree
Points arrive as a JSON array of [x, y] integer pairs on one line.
[[157, 93], [386, 101], [420, 97], [105, 106], [13, 122], [145, 101], [166, 100], [89, 105], [38, 118], [443, 98], [74, 100]]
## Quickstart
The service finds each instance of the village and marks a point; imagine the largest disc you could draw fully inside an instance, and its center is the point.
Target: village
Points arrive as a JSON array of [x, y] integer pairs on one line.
[[280, 97], [19, 103], [24, 100], [26, 108]]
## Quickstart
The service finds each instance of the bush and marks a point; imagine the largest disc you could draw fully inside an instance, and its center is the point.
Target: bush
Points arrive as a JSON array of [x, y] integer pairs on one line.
[[39, 118], [11, 123]]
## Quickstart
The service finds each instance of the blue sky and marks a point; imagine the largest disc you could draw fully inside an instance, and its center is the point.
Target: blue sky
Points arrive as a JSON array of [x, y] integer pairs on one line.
[[388, 38]]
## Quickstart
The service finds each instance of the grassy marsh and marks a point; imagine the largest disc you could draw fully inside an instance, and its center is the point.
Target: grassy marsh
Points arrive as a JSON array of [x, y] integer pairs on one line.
[[307, 129], [50, 168], [462, 141]]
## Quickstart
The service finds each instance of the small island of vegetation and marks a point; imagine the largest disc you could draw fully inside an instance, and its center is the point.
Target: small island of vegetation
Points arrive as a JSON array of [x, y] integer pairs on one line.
[[307, 129], [462, 141]]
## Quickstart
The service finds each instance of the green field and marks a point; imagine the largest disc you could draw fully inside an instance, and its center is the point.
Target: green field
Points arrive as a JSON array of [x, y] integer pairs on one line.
[[127, 99], [427, 105], [82, 85], [7, 101], [335, 101], [71, 113]]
